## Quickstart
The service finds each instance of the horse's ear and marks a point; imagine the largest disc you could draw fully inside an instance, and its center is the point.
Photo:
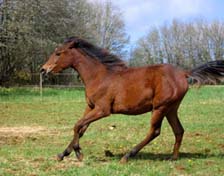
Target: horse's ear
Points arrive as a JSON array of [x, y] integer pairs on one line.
[[74, 44]]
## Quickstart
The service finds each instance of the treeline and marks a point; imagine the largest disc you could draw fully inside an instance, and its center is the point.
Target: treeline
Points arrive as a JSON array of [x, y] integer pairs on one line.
[[185, 44], [31, 29]]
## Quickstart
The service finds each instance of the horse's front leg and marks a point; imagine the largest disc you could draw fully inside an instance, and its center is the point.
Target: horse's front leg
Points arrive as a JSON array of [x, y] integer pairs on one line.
[[69, 149], [79, 129]]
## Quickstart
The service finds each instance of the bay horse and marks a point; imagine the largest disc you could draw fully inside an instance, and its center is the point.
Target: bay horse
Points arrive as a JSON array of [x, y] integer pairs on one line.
[[111, 87]]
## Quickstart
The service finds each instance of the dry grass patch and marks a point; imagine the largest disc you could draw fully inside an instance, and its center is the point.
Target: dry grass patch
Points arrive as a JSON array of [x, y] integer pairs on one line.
[[15, 135]]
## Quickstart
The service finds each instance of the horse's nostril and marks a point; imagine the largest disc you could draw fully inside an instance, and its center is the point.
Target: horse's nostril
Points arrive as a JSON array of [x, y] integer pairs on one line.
[[42, 70]]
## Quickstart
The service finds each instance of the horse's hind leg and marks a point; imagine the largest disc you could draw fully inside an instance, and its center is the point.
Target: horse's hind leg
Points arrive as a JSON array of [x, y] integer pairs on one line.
[[154, 131], [178, 131]]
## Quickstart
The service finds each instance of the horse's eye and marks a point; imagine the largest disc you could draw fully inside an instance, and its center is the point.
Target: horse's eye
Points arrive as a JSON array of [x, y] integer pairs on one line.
[[57, 54]]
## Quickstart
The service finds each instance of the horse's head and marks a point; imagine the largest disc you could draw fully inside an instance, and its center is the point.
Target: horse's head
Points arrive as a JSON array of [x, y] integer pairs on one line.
[[74, 50], [63, 57]]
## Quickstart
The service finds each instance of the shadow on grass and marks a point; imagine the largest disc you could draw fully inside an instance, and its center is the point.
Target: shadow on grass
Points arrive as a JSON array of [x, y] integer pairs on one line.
[[153, 157], [166, 156]]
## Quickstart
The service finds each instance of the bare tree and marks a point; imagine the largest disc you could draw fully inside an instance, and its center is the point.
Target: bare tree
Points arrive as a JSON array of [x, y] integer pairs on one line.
[[182, 43], [30, 29], [108, 28]]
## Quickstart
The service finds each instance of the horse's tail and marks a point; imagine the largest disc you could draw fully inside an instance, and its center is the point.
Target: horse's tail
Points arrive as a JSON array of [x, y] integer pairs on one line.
[[210, 73]]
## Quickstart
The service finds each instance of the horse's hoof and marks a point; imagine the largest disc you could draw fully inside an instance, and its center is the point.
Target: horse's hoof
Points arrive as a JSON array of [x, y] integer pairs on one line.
[[123, 160], [60, 157], [79, 156]]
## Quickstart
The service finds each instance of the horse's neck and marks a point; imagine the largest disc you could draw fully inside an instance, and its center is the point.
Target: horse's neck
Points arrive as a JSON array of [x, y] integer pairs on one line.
[[90, 70]]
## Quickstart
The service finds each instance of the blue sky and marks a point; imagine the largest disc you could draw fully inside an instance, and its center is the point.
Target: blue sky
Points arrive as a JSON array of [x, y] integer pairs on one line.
[[140, 15]]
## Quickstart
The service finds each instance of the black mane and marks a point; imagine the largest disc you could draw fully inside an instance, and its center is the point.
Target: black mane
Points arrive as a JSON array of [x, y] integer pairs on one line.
[[111, 61]]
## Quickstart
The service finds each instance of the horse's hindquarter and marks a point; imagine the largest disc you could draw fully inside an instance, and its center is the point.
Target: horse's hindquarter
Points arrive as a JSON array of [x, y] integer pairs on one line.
[[140, 90], [171, 86]]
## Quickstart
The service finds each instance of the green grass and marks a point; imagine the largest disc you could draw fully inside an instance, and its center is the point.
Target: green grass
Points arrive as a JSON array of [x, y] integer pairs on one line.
[[39, 128]]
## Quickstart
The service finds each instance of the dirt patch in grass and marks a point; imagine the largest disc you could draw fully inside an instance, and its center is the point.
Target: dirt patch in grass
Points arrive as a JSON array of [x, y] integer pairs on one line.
[[23, 130], [15, 135]]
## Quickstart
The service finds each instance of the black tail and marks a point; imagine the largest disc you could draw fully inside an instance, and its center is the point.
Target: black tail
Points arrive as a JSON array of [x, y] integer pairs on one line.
[[210, 73]]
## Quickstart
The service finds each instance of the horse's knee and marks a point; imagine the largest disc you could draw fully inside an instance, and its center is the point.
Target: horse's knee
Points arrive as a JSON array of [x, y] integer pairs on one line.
[[77, 127], [76, 147], [82, 130]]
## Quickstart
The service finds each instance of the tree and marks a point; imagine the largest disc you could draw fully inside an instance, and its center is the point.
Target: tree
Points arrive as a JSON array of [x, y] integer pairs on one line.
[[108, 28], [31, 29], [184, 44]]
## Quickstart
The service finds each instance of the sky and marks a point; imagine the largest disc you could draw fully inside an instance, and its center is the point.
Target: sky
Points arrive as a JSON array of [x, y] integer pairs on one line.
[[141, 15]]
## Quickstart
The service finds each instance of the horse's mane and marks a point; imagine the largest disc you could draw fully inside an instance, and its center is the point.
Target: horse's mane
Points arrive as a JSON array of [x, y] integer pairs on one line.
[[111, 61]]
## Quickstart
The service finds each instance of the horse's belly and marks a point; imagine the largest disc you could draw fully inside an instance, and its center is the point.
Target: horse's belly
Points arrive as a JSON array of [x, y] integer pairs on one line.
[[132, 109]]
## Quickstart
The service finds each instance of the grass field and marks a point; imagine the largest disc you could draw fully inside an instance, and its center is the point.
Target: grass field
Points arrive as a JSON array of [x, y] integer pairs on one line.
[[34, 129]]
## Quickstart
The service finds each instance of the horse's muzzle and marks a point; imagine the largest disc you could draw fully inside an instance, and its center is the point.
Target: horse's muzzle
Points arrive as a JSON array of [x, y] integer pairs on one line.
[[43, 71]]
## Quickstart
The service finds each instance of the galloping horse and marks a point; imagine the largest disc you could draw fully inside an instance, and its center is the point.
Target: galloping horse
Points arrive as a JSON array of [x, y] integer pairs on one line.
[[111, 88]]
